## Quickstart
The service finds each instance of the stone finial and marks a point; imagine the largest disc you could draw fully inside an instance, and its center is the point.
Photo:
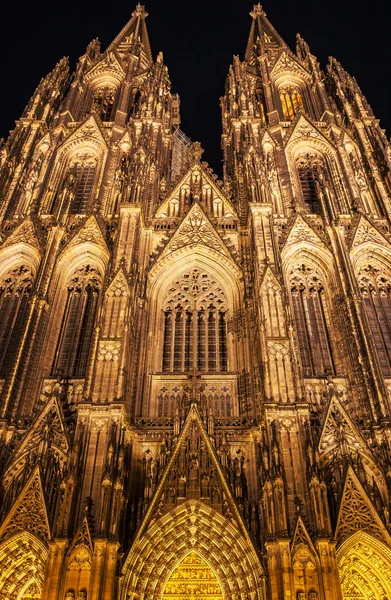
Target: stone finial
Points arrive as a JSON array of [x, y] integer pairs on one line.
[[197, 151], [140, 11], [257, 11]]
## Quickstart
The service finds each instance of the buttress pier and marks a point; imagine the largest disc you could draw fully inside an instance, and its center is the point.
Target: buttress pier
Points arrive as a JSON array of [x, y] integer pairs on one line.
[[195, 374]]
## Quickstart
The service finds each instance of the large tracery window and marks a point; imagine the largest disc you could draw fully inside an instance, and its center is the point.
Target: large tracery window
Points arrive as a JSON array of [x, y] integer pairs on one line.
[[15, 290], [291, 101], [375, 288], [312, 321], [195, 328], [103, 102], [311, 169], [77, 324]]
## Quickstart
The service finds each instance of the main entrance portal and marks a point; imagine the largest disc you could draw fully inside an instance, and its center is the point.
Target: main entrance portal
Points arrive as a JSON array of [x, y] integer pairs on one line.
[[193, 578]]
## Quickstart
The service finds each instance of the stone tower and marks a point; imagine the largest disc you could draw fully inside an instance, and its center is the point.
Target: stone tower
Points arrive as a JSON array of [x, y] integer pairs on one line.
[[195, 375]]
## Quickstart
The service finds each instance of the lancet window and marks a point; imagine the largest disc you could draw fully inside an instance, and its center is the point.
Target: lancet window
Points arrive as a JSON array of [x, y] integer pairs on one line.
[[15, 290], [82, 177], [195, 326], [312, 321], [77, 325], [291, 101], [375, 288], [103, 102], [311, 172]]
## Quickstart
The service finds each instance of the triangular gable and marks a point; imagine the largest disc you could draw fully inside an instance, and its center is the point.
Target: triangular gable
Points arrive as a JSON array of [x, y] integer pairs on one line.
[[24, 233], [269, 280], [302, 232], [119, 285], [366, 232], [301, 537], [195, 230], [29, 512], [357, 513], [336, 420], [108, 64], [303, 129], [206, 180], [287, 64], [89, 131], [49, 425], [231, 510], [90, 232], [82, 537]]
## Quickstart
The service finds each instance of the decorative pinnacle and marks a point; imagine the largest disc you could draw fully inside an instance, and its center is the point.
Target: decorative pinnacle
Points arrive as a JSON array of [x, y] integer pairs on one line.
[[197, 151], [140, 11], [257, 11]]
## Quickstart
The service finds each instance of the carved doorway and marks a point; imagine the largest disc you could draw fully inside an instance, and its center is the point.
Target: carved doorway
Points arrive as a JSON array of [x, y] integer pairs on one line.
[[193, 578]]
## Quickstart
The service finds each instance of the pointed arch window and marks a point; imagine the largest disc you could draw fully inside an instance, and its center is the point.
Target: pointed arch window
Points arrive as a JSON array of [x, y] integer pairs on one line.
[[375, 288], [291, 101], [84, 173], [15, 291], [103, 102], [195, 327], [77, 325], [311, 169], [312, 322]]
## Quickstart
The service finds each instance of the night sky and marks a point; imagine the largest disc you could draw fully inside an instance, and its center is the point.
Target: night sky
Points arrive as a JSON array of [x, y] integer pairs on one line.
[[198, 40]]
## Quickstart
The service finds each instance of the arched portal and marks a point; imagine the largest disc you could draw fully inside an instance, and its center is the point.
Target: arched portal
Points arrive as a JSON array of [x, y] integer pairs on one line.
[[193, 578], [364, 568]]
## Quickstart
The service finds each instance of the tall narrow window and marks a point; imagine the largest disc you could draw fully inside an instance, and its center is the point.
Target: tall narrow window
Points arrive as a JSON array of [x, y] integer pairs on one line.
[[310, 169], [103, 102], [312, 322], [15, 290], [375, 288], [195, 330], [291, 101], [84, 173], [77, 326]]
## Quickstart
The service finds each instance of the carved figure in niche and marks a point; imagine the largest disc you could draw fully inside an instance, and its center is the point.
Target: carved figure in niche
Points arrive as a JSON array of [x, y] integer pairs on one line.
[[313, 596], [82, 595], [204, 486], [182, 486], [300, 596], [70, 595]]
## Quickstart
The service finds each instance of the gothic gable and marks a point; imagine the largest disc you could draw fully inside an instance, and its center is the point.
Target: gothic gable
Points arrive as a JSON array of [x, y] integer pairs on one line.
[[196, 180], [119, 285], [196, 230], [301, 537], [109, 65], [287, 65], [357, 513], [29, 511], [366, 233], [199, 475], [25, 233], [48, 429], [302, 232], [88, 133], [269, 280], [305, 131], [89, 232]]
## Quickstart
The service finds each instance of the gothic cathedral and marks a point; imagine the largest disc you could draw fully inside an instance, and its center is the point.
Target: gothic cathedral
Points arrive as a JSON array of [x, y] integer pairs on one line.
[[195, 374]]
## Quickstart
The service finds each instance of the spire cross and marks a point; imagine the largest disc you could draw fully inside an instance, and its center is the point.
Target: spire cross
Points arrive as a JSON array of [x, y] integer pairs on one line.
[[257, 11]]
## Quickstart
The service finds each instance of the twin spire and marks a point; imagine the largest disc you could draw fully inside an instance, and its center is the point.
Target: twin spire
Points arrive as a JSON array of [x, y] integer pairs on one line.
[[134, 32]]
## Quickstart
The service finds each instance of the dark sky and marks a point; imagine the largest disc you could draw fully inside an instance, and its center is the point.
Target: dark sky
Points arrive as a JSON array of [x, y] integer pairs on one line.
[[198, 40]]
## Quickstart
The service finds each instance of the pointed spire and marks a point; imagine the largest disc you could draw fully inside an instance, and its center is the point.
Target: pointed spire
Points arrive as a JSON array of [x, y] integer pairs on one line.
[[263, 37], [135, 31]]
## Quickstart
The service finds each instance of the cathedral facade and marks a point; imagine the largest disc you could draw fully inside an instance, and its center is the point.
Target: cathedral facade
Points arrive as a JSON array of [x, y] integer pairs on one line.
[[195, 374]]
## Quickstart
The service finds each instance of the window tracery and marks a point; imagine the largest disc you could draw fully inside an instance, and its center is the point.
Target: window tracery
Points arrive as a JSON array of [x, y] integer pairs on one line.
[[77, 324], [291, 101], [82, 175], [312, 320], [375, 289], [195, 328], [311, 170], [15, 291], [103, 102]]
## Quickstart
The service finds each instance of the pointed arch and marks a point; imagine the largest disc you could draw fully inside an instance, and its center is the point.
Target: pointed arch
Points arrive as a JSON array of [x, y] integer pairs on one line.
[[364, 567], [23, 559], [192, 526]]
